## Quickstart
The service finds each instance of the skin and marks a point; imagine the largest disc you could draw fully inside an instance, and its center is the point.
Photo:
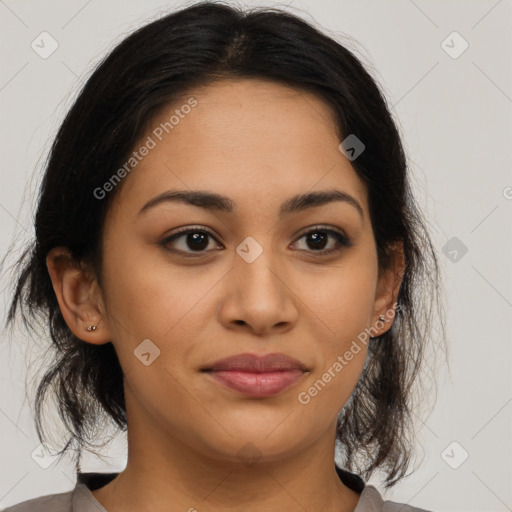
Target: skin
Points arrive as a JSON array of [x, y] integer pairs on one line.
[[259, 143]]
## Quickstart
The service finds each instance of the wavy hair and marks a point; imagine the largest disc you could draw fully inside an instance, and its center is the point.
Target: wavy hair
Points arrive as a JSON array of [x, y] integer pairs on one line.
[[196, 46]]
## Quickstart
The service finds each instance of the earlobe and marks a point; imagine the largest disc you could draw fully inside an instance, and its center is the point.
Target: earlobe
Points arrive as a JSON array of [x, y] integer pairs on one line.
[[78, 297]]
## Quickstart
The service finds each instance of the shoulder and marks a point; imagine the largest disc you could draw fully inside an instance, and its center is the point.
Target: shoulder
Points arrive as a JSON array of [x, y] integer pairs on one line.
[[372, 501], [78, 499], [50, 503]]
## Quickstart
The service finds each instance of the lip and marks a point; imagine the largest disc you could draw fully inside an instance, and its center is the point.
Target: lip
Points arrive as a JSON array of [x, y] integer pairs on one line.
[[257, 376], [255, 363]]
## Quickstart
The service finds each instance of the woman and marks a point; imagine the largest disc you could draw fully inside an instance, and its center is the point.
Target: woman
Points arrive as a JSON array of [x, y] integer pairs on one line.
[[233, 270]]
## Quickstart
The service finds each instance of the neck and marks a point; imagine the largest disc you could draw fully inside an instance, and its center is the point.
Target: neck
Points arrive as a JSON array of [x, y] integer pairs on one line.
[[163, 474]]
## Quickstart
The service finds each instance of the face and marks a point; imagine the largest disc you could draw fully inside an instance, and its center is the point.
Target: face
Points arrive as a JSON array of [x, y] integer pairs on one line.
[[186, 284]]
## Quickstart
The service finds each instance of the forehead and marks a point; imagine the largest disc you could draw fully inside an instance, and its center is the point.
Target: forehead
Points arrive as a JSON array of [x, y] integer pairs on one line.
[[256, 141]]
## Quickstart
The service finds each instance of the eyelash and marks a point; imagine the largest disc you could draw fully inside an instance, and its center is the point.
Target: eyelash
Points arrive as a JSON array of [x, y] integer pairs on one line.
[[342, 240]]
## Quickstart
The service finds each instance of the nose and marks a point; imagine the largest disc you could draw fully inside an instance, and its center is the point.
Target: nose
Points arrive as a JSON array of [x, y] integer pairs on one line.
[[259, 297]]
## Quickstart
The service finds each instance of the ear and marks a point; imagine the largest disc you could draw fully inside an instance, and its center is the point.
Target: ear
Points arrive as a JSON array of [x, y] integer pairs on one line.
[[388, 286], [79, 297]]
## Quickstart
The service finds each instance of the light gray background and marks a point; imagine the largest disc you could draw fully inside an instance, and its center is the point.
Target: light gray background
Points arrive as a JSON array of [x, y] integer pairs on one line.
[[454, 115]]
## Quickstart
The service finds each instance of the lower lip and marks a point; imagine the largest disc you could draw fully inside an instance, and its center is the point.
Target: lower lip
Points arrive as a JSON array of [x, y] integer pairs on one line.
[[258, 385]]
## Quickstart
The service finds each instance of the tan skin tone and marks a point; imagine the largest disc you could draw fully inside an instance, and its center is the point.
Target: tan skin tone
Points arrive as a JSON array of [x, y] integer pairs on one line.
[[259, 143]]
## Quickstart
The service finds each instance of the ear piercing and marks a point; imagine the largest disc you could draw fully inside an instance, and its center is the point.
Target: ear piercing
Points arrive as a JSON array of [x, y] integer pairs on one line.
[[382, 318]]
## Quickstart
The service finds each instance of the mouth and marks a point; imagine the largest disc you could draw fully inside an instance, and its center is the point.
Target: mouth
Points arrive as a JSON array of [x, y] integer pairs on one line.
[[257, 376]]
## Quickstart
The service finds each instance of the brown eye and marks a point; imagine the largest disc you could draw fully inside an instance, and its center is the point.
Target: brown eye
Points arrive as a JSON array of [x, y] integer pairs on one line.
[[189, 241], [319, 239]]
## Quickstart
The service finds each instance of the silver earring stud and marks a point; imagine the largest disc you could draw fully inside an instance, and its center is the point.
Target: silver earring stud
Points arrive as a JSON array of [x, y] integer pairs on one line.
[[91, 328], [382, 319]]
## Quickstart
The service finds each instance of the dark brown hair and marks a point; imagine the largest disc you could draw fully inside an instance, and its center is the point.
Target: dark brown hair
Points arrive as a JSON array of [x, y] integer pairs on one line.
[[164, 59]]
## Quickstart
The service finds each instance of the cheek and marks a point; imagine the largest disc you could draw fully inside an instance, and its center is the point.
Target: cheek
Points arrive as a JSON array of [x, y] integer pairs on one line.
[[342, 299], [339, 364], [342, 304], [147, 298]]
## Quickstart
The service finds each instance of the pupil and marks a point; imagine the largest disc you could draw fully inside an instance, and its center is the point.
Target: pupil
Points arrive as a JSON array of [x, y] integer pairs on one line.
[[318, 238], [197, 241]]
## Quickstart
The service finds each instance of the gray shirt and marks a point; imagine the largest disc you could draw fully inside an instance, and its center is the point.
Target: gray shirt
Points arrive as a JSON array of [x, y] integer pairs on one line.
[[80, 499]]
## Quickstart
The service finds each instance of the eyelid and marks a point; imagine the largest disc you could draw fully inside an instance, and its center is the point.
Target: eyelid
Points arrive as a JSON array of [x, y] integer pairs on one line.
[[186, 229], [321, 227]]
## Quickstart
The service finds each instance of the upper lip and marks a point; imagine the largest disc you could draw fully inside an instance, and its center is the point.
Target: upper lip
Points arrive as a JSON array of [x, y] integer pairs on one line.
[[256, 363]]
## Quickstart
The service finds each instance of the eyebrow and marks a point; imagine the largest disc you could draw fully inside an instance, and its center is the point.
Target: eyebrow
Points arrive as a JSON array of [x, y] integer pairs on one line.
[[217, 202]]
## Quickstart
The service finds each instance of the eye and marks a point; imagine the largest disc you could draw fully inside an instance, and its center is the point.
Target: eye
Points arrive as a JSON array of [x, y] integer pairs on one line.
[[318, 238], [189, 240]]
